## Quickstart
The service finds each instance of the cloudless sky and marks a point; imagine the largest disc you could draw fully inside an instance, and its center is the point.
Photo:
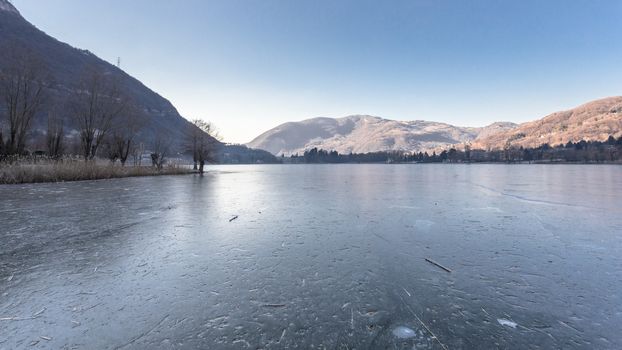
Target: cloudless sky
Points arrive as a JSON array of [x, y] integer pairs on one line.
[[251, 65]]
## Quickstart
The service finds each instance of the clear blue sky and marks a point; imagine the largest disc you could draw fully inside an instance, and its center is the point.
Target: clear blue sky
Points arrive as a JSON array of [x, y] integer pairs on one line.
[[250, 65]]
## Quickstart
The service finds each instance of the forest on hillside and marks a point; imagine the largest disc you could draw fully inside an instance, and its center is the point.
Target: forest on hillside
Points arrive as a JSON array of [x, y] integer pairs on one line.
[[609, 151]]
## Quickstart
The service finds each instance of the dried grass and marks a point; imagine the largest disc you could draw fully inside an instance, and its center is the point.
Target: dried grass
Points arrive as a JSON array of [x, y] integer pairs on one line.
[[50, 171]]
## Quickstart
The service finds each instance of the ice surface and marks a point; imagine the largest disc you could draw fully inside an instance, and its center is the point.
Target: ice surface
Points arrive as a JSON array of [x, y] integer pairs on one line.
[[319, 257]]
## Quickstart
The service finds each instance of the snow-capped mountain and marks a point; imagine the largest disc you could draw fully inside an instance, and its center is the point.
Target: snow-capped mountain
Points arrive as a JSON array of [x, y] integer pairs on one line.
[[363, 133]]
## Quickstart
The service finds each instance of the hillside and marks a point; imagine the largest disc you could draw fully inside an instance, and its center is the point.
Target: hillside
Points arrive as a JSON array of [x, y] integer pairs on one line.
[[362, 134], [593, 121], [64, 64]]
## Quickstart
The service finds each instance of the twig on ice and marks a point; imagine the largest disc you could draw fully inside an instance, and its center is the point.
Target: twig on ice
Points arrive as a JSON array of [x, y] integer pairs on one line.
[[274, 305], [437, 264]]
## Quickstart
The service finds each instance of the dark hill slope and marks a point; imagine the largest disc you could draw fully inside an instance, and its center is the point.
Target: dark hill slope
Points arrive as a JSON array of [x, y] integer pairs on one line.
[[65, 65]]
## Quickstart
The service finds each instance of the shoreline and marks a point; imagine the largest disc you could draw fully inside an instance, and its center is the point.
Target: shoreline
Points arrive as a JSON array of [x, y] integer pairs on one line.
[[20, 174], [462, 163]]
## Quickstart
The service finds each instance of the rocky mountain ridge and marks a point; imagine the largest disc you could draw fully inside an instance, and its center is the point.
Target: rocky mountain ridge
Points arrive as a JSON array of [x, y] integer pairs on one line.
[[593, 121], [364, 133]]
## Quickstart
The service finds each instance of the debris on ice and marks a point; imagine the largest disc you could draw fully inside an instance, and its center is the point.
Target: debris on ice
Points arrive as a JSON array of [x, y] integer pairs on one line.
[[508, 323], [403, 332]]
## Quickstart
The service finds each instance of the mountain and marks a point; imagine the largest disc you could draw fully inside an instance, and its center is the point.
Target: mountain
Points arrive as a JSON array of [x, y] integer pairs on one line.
[[65, 63], [593, 121], [362, 134], [495, 128]]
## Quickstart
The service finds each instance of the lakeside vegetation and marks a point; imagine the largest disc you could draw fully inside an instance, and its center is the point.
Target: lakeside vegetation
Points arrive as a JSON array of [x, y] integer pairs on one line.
[[590, 152], [92, 131], [45, 170]]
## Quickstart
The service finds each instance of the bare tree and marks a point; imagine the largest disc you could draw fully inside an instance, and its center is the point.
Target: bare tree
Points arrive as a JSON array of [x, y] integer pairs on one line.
[[203, 138], [54, 139], [2, 151], [96, 106], [110, 149], [125, 131], [161, 148], [193, 138], [137, 153], [22, 87], [507, 151]]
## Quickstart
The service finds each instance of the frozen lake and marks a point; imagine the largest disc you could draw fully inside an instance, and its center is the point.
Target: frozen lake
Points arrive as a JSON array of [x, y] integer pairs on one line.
[[320, 256]]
